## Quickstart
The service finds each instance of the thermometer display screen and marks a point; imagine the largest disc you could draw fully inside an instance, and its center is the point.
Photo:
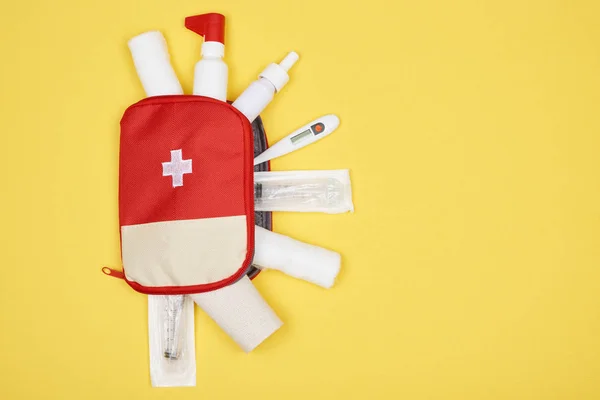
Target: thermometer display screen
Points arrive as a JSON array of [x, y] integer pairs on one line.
[[296, 138]]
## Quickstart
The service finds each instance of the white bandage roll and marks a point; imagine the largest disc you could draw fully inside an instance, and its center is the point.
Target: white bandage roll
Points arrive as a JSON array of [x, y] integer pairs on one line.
[[292, 257], [241, 312], [153, 65]]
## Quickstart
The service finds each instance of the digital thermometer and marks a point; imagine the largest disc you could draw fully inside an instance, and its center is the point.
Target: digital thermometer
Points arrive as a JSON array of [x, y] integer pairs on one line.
[[304, 136]]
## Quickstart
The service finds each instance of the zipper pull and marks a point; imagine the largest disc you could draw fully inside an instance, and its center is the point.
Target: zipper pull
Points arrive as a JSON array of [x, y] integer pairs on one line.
[[113, 272]]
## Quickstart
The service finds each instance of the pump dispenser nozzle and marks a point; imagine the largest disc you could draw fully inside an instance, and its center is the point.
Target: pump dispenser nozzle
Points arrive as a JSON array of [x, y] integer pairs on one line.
[[210, 74], [211, 26]]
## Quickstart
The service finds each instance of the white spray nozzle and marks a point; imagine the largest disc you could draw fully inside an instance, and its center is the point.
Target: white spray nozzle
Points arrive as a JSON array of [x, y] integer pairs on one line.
[[289, 60], [260, 93], [277, 74]]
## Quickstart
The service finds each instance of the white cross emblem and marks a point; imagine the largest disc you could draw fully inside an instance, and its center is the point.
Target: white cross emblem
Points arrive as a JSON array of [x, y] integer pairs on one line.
[[177, 167]]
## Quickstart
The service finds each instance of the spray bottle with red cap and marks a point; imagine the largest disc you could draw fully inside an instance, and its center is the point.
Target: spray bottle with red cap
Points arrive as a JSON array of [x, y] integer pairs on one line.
[[210, 75]]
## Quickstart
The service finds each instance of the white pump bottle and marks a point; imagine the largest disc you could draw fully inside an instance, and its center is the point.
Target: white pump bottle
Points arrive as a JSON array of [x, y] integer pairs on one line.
[[210, 75], [260, 92]]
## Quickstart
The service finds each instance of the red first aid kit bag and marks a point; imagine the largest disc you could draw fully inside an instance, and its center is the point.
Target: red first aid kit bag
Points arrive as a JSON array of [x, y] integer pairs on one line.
[[186, 195]]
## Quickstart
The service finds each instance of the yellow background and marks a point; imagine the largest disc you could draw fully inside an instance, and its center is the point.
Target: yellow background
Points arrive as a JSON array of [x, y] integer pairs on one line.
[[470, 267]]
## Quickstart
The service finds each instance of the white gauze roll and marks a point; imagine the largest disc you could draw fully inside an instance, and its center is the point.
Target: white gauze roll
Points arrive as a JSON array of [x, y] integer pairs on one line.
[[153, 65], [292, 257], [241, 312]]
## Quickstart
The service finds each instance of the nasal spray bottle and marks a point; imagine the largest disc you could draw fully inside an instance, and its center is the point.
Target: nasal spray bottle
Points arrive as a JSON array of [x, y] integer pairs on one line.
[[260, 92], [210, 74]]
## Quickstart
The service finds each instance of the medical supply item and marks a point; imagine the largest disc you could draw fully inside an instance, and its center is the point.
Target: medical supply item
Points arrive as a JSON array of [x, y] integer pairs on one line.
[[187, 201], [300, 138], [260, 92], [170, 318], [152, 63], [327, 191], [210, 74], [174, 211], [171, 338], [241, 312], [292, 257], [182, 233]]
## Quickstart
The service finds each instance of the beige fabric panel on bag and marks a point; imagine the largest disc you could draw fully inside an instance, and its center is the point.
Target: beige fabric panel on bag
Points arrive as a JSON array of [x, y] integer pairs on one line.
[[185, 252]]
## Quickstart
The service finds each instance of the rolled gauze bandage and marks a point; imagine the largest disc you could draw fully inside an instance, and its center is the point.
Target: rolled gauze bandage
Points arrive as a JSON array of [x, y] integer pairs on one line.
[[241, 312], [153, 65], [300, 260]]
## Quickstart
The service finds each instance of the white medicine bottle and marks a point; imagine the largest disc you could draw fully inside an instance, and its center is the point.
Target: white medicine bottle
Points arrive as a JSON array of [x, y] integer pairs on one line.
[[210, 74]]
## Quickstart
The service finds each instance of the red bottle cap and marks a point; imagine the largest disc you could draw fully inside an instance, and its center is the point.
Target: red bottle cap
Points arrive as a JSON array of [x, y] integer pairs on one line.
[[211, 26]]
